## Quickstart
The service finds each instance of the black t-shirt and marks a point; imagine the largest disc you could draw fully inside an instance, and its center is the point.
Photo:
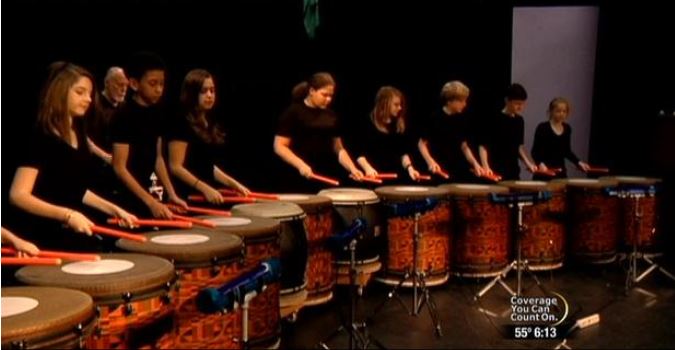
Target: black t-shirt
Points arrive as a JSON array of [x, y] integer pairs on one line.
[[445, 134], [139, 127], [382, 150], [502, 137], [99, 122], [200, 155], [311, 131], [552, 149]]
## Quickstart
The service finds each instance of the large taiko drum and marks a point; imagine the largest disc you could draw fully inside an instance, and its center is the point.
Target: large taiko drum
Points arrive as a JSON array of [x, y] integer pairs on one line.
[[593, 220], [134, 295], [638, 216], [543, 242], [481, 230], [320, 226], [203, 259], [46, 318], [350, 204], [261, 243], [433, 242]]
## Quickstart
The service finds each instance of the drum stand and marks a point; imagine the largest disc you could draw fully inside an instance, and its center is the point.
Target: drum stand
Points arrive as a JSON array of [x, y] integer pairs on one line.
[[419, 281], [632, 277], [358, 331], [519, 263]]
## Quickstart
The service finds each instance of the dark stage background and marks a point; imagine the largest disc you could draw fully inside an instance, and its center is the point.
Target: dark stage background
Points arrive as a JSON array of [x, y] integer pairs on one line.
[[258, 50]]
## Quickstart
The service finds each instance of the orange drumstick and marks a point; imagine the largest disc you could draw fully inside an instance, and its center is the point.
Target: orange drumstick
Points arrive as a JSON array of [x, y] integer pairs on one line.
[[200, 198], [547, 172], [195, 221], [424, 177], [200, 210], [387, 176], [325, 179], [258, 195], [371, 179], [30, 261], [118, 233], [154, 222], [598, 170], [60, 255], [442, 173]]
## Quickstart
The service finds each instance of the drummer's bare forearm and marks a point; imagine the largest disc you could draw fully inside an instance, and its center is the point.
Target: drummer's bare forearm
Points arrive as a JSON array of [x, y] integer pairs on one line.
[[424, 151], [525, 157], [468, 154], [483, 154]]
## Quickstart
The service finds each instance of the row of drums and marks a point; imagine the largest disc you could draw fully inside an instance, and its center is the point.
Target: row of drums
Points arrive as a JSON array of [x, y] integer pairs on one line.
[[145, 296]]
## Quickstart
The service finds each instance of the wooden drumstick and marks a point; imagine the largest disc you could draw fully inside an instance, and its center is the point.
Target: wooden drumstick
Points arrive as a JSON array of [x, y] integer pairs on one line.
[[59, 255], [30, 261], [118, 233]]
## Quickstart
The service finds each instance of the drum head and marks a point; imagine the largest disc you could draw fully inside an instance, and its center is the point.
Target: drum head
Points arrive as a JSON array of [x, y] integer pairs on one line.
[[247, 228], [275, 210], [410, 192], [55, 311], [309, 203], [350, 196], [533, 186], [147, 274], [586, 183], [195, 246], [471, 190], [633, 180]]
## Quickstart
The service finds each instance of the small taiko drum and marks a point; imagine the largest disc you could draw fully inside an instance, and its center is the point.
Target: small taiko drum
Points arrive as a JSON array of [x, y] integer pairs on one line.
[[293, 242], [202, 259], [480, 229], [320, 226], [46, 318], [593, 220], [350, 204], [261, 242], [543, 242], [433, 239], [638, 213], [133, 293]]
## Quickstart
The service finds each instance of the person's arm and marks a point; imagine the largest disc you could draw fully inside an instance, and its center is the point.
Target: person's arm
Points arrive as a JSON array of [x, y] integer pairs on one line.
[[365, 165], [407, 164], [526, 158], [177, 150], [21, 195], [345, 160], [229, 181], [569, 154], [538, 148], [468, 154], [282, 147], [483, 154], [120, 157], [98, 151], [163, 176], [95, 201], [23, 247], [428, 158]]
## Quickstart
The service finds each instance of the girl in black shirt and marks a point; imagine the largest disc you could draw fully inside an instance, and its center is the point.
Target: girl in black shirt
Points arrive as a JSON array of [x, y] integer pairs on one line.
[[52, 177], [552, 141], [309, 137], [383, 144], [196, 141]]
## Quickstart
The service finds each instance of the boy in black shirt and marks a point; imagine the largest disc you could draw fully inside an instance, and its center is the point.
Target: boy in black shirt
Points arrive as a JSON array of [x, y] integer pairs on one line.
[[137, 139]]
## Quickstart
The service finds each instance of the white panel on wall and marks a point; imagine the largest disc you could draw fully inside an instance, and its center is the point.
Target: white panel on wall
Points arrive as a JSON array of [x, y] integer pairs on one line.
[[553, 54]]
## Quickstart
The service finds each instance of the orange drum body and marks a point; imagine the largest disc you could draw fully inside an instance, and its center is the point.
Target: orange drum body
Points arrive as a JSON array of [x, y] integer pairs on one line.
[[593, 220], [480, 229], [133, 293], [203, 259], [46, 318], [261, 242], [543, 242], [434, 239]]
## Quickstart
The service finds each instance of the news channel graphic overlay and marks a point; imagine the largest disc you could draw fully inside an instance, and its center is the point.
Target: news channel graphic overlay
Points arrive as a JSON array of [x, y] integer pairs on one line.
[[538, 317]]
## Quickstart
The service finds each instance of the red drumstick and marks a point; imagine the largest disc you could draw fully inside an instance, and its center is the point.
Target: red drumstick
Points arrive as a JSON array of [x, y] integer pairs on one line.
[[442, 173], [258, 195], [153, 222], [325, 179], [60, 255], [557, 170], [195, 221], [547, 172], [424, 177], [205, 211], [117, 233], [387, 176], [201, 199], [598, 170], [30, 261], [371, 179], [494, 177]]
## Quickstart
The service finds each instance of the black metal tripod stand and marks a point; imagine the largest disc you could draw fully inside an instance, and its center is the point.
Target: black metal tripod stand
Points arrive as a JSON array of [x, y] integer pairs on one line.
[[519, 263], [418, 281], [359, 336]]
